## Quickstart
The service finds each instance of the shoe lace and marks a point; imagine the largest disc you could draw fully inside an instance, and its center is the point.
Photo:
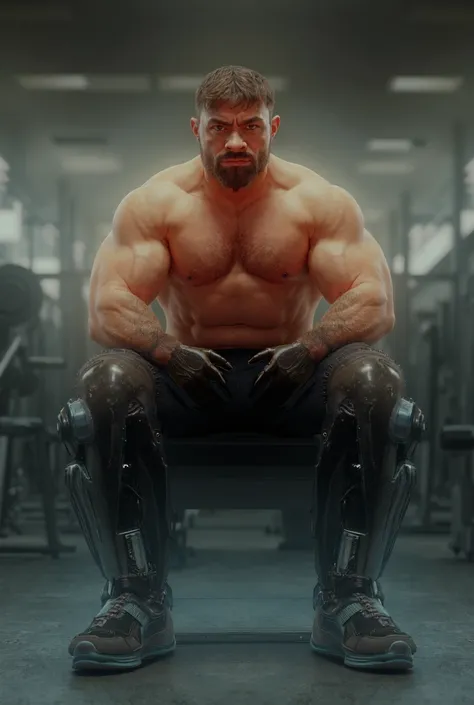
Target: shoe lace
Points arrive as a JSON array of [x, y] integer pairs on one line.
[[115, 610], [372, 611]]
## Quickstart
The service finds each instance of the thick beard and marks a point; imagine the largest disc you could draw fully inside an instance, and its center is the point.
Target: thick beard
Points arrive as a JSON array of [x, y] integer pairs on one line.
[[235, 177]]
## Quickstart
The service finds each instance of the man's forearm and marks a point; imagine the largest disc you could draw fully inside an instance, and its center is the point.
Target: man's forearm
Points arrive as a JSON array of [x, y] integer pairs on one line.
[[127, 322], [359, 315]]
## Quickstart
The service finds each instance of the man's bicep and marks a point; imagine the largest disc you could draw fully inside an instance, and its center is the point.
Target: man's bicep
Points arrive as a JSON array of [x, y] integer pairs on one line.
[[140, 268], [133, 257], [339, 265]]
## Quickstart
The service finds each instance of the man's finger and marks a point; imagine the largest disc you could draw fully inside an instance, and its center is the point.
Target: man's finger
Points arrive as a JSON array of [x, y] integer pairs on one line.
[[265, 373], [219, 360], [222, 391], [216, 375], [262, 355], [263, 382], [256, 383]]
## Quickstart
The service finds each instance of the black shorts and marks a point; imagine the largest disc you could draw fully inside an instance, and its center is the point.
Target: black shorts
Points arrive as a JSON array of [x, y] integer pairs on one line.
[[302, 416]]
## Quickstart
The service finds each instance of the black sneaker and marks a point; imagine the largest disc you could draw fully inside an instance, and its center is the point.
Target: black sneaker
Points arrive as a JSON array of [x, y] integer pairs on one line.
[[126, 632], [352, 625]]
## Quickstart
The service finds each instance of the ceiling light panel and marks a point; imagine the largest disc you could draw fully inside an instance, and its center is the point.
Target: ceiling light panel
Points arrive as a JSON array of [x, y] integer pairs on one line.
[[425, 84], [389, 145], [385, 168]]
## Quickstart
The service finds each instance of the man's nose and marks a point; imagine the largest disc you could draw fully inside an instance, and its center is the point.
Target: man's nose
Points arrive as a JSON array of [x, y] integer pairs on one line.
[[235, 143]]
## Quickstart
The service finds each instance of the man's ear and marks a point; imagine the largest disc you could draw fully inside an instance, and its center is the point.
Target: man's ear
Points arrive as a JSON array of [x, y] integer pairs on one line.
[[195, 127], [275, 125]]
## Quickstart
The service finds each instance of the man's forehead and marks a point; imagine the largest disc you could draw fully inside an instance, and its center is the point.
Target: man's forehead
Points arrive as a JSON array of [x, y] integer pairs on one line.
[[229, 113]]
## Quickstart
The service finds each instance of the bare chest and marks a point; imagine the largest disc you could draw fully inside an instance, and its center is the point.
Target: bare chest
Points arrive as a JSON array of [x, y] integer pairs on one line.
[[270, 243]]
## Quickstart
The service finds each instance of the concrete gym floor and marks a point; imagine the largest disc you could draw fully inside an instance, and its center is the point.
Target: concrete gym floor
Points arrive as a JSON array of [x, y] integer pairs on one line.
[[44, 603]]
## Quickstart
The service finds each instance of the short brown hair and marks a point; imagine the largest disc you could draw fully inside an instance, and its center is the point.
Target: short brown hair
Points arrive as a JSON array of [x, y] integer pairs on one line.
[[235, 85]]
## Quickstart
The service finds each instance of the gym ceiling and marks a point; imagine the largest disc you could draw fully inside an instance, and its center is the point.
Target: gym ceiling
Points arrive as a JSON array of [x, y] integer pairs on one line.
[[103, 91]]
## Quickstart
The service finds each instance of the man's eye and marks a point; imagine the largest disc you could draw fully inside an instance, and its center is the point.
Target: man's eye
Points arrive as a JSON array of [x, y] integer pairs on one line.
[[217, 128], [252, 127]]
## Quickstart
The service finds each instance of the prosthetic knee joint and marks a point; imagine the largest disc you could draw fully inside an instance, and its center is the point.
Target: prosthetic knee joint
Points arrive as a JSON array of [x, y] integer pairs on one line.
[[365, 474], [117, 480]]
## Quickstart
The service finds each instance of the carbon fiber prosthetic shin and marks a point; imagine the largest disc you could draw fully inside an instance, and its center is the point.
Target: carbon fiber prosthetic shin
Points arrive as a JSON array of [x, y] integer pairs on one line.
[[365, 474], [117, 479]]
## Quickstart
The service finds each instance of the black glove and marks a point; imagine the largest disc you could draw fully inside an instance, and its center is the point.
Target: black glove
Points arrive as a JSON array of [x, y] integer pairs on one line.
[[289, 368], [193, 369]]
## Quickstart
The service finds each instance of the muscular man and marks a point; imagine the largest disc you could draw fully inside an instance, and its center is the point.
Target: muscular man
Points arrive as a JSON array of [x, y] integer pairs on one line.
[[239, 247]]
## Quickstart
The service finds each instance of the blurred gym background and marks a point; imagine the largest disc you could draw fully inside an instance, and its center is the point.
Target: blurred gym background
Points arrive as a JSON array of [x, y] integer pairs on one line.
[[378, 97]]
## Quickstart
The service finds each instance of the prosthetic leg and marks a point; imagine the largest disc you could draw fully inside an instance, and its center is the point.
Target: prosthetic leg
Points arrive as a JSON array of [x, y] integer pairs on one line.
[[117, 482], [364, 480]]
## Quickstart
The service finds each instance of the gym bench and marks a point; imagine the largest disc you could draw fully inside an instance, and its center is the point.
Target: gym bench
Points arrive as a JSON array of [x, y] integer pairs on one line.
[[234, 471]]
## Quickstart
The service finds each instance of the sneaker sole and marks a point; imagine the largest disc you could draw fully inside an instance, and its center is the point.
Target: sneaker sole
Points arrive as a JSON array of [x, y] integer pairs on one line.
[[398, 658], [87, 658]]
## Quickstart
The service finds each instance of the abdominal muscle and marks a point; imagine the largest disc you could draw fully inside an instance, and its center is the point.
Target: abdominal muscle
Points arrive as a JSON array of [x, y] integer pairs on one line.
[[262, 317], [237, 336]]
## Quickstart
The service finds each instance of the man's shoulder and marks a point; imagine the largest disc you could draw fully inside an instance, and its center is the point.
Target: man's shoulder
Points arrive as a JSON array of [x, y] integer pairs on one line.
[[161, 192], [179, 174], [308, 187], [322, 202], [325, 200], [177, 178]]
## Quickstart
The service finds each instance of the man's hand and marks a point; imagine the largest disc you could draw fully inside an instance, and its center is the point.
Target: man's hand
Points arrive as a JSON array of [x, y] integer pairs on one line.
[[193, 369], [289, 368]]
